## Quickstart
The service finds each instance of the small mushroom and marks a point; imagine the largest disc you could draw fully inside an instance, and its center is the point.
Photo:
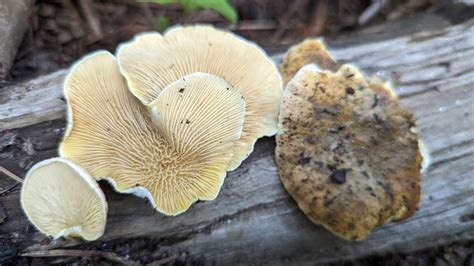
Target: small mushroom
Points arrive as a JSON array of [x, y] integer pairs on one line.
[[151, 62], [310, 51], [62, 200], [364, 166], [177, 160]]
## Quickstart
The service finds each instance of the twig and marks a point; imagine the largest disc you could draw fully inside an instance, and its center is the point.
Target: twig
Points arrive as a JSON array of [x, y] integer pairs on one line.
[[162, 261], [10, 174], [372, 10], [8, 189], [92, 20], [320, 16], [79, 253]]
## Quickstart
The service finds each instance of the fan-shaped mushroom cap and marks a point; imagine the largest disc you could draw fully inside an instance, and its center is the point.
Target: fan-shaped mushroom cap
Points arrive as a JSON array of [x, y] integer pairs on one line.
[[150, 62], [309, 51], [346, 152], [62, 199], [181, 159]]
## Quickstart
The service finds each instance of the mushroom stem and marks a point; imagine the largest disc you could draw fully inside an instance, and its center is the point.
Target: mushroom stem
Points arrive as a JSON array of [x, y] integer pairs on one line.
[[10, 174]]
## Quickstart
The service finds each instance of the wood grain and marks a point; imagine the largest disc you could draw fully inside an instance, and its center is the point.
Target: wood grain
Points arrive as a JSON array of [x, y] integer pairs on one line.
[[253, 219]]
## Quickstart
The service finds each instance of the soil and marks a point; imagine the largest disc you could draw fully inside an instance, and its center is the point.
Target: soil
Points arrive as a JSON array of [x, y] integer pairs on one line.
[[61, 32]]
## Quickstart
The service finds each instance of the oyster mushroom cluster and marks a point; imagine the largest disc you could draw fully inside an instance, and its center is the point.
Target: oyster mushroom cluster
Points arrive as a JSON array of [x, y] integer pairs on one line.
[[347, 151], [165, 118]]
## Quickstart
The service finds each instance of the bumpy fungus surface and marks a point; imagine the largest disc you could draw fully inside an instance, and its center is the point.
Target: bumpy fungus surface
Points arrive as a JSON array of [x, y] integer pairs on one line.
[[310, 51], [150, 62], [181, 158], [347, 151], [61, 199]]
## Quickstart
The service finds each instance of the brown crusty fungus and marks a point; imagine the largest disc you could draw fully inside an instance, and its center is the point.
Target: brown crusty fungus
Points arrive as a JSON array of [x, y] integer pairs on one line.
[[181, 158], [150, 62], [62, 200], [310, 51], [347, 152]]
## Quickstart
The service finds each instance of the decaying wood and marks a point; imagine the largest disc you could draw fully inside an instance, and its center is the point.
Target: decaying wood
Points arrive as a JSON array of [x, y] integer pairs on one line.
[[14, 20], [253, 219], [79, 253]]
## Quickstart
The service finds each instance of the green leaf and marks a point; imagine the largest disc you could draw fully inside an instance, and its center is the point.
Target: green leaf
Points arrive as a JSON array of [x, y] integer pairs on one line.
[[221, 6], [162, 22], [160, 2]]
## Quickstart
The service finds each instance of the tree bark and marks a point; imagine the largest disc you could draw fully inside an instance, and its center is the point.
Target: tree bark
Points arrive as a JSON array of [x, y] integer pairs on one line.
[[254, 219]]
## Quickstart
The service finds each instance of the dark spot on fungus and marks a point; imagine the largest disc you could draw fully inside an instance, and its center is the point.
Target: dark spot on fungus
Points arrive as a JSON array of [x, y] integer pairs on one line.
[[350, 76], [314, 199], [311, 139], [187, 121], [181, 90], [338, 128], [319, 164], [376, 101], [377, 118], [388, 189], [303, 159], [338, 176], [350, 90], [323, 110], [137, 185], [328, 202], [350, 226], [332, 167]]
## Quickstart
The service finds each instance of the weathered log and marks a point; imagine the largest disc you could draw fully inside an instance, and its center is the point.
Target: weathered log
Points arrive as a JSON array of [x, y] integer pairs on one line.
[[14, 17], [253, 219]]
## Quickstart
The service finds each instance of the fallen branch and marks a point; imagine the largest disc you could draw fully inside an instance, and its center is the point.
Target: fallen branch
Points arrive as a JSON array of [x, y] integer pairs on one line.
[[10, 174], [162, 261], [8, 189], [80, 253], [92, 20]]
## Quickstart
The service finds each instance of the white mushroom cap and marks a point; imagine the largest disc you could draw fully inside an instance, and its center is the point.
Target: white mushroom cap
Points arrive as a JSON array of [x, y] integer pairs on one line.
[[62, 200], [180, 159], [151, 62]]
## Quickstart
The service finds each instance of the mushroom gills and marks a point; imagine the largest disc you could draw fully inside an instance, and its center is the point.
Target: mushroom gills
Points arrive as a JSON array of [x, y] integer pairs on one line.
[[179, 159], [62, 200], [151, 62]]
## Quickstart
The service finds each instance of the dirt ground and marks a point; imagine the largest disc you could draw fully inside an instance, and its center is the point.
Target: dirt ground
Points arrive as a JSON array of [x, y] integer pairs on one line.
[[60, 32]]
